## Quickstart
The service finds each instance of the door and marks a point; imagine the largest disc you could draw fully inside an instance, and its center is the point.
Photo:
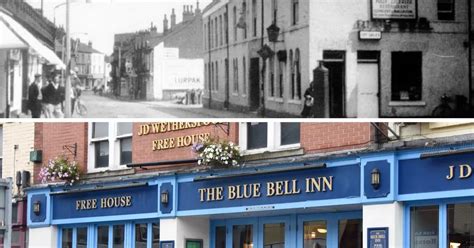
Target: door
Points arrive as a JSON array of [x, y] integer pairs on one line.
[[254, 83], [334, 61], [274, 232], [368, 85]]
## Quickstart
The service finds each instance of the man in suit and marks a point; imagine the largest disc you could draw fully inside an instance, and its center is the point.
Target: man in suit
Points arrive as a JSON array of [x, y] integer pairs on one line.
[[54, 96], [34, 97]]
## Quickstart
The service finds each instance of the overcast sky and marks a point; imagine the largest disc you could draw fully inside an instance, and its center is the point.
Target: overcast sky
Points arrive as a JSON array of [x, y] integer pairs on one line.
[[99, 20]]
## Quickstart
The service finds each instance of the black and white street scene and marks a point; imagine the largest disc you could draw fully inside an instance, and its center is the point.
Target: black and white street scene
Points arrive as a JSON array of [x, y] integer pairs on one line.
[[236, 58]]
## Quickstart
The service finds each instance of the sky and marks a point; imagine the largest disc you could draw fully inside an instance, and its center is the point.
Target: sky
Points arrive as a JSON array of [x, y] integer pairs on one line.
[[99, 20]]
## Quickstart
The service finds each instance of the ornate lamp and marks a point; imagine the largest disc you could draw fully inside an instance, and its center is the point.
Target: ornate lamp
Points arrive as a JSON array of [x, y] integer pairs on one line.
[[273, 32], [375, 178]]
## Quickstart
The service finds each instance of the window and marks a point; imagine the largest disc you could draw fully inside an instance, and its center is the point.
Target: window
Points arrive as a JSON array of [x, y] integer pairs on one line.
[[295, 8], [242, 236], [281, 65], [297, 76], [292, 76], [271, 66], [315, 234], [236, 75], [274, 235], [460, 225], [350, 233], [244, 16], [212, 33], [244, 69], [206, 35], [217, 76], [102, 236], [81, 241], [254, 17], [406, 76], [235, 23], [110, 145], [424, 227], [220, 237], [446, 10], [212, 76], [66, 238], [155, 229], [216, 32], [262, 136], [118, 236], [226, 23], [275, 10], [220, 30], [141, 235]]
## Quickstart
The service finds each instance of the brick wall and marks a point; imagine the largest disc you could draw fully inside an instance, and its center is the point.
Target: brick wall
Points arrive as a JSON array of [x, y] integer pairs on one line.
[[326, 137], [142, 146], [52, 137]]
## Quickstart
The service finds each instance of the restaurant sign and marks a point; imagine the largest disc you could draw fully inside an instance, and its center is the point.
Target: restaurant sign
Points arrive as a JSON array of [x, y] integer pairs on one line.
[[394, 9], [271, 188]]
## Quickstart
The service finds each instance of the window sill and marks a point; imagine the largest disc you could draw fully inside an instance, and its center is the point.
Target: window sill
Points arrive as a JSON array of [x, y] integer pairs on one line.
[[276, 99], [268, 154], [407, 104], [297, 102]]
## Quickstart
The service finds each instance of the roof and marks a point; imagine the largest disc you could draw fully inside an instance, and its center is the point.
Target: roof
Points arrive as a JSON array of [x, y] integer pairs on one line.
[[83, 48]]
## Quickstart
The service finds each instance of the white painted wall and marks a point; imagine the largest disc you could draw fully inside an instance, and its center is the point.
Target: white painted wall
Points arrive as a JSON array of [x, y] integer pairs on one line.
[[45, 237], [385, 215], [180, 229]]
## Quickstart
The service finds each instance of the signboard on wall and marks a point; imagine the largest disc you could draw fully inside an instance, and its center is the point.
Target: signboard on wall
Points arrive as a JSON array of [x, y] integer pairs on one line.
[[454, 172], [183, 74], [108, 202], [394, 9], [273, 188], [377, 237]]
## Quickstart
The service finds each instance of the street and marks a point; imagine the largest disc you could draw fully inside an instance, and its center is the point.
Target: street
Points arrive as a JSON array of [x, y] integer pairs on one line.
[[107, 107]]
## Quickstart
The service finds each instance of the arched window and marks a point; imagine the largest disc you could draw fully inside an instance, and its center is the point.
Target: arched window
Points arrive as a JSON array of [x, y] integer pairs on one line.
[[221, 30], [211, 29], [244, 16], [254, 17], [244, 69], [216, 32], [295, 8], [235, 23]]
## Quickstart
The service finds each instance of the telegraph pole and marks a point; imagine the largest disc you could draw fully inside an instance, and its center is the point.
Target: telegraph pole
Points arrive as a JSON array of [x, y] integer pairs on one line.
[[67, 107]]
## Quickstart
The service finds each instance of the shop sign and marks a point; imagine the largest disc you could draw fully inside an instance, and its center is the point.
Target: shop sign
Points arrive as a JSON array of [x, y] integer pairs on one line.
[[170, 127], [439, 174], [378, 237], [370, 35], [282, 187], [133, 200], [394, 9]]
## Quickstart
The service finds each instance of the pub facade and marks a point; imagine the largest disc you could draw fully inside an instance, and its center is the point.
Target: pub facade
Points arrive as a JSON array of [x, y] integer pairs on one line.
[[294, 185]]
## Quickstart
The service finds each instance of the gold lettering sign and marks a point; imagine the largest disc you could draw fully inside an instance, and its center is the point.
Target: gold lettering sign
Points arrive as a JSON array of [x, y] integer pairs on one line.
[[274, 189], [177, 142], [164, 127], [106, 202], [464, 172]]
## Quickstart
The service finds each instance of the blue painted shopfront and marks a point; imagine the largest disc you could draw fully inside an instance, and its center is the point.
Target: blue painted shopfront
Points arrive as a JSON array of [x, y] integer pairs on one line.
[[317, 205]]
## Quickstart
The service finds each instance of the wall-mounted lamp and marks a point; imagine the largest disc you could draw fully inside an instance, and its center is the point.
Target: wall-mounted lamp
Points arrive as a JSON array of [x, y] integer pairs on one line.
[[375, 178], [164, 199], [37, 207]]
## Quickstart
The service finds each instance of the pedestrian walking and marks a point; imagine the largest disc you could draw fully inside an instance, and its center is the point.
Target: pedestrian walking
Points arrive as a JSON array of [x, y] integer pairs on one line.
[[53, 97], [34, 97], [308, 101]]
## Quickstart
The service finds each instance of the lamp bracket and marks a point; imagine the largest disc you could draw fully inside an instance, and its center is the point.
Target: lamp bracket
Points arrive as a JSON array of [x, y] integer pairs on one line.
[[71, 149]]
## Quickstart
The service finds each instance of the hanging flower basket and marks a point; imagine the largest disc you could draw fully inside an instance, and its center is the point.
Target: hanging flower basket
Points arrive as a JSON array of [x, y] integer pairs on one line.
[[60, 169], [218, 154]]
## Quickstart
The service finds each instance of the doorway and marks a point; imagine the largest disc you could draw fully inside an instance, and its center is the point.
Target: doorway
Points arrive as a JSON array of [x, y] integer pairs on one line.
[[368, 84], [334, 61], [254, 83]]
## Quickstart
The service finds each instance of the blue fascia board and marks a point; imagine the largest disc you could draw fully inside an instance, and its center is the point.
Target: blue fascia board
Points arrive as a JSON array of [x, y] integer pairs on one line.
[[105, 219], [283, 206], [436, 195]]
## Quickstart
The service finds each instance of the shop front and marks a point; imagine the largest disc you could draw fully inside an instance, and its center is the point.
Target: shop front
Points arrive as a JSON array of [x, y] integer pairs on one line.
[[438, 193]]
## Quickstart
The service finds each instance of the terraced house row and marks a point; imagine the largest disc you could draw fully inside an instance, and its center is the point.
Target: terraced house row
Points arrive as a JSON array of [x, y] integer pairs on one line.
[[382, 58], [113, 184]]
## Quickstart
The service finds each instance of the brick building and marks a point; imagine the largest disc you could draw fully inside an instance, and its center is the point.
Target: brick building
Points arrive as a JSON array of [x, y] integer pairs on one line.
[[260, 55], [298, 185]]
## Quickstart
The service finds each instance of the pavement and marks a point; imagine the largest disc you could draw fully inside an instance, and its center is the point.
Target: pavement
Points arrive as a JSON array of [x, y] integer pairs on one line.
[[108, 107]]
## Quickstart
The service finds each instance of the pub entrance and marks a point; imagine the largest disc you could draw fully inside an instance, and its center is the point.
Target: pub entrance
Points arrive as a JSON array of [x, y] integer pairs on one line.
[[334, 61], [325, 230]]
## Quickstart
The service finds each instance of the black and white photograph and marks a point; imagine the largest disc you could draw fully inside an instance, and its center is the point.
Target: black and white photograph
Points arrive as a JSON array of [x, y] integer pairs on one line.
[[236, 59]]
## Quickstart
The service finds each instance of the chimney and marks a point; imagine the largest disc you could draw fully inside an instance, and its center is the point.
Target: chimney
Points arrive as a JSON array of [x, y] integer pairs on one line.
[[165, 25], [90, 43], [198, 10], [191, 10], [173, 19]]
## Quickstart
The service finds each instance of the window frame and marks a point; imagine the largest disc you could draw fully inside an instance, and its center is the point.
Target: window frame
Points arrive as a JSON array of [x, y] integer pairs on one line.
[[114, 148], [444, 12], [273, 139]]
